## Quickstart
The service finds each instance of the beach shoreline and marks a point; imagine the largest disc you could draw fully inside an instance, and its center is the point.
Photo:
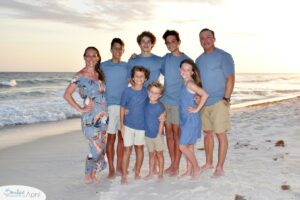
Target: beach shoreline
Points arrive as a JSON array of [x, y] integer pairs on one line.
[[50, 156]]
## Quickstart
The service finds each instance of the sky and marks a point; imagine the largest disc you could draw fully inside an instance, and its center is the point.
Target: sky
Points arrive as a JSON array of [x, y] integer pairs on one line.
[[50, 36]]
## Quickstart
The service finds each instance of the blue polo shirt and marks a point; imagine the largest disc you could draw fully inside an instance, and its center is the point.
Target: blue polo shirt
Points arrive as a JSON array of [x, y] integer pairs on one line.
[[214, 68]]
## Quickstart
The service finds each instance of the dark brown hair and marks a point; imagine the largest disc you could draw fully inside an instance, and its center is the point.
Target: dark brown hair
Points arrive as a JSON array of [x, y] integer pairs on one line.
[[140, 69], [116, 40], [196, 74], [171, 32], [206, 29], [146, 34], [97, 66]]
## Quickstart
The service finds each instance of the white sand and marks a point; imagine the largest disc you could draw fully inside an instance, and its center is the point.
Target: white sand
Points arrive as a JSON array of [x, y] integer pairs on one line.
[[254, 169]]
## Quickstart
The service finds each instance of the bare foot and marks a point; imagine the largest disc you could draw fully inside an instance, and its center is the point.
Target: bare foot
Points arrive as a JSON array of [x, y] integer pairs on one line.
[[174, 172], [206, 167], [168, 169], [160, 178], [111, 175], [196, 172], [88, 179], [148, 177], [119, 173], [137, 177], [218, 173], [94, 177], [186, 173], [124, 181]]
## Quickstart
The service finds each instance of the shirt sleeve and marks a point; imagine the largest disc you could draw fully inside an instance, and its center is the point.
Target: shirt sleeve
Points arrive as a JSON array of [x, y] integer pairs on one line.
[[75, 80], [124, 98], [228, 65]]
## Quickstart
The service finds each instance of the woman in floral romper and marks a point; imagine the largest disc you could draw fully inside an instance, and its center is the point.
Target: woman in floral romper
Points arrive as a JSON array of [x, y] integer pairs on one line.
[[91, 85]]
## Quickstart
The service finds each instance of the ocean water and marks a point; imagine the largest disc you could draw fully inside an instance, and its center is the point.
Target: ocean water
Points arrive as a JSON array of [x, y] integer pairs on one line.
[[33, 97]]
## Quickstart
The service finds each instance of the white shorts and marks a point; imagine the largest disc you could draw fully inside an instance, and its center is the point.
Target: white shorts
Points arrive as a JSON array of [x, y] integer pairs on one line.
[[114, 119], [133, 137]]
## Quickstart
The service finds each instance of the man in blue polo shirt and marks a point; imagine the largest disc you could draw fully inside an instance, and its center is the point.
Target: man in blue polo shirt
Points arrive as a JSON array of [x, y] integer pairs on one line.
[[216, 69], [115, 72]]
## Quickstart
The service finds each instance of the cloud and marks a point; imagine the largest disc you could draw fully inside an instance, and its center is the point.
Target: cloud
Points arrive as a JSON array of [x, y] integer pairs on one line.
[[102, 14], [96, 14]]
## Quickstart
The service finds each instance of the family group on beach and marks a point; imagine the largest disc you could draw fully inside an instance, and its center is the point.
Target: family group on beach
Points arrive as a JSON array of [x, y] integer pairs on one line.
[[125, 100]]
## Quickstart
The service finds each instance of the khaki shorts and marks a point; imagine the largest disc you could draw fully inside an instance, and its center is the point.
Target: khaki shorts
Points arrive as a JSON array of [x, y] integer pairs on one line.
[[172, 114], [216, 117], [133, 137], [155, 144], [114, 119]]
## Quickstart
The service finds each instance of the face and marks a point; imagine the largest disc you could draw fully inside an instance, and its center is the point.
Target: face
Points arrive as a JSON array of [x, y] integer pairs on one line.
[[117, 50], [139, 78], [186, 71], [146, 44], [91, 58], [154, 93], [207, 40], [172, 43]]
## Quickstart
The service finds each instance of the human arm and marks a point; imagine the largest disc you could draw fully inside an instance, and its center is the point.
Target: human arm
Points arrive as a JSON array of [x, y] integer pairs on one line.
[[203, 96], [161, 123], [122, 114], [230, 80]]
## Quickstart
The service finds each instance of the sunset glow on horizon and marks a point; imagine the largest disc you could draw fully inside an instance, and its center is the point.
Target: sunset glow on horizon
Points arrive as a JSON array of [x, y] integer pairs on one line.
[[262, 36]]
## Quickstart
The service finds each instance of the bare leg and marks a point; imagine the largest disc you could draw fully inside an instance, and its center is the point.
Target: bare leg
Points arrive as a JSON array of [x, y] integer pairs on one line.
[[160, 157], [209, 148], [125, 163], [139, 160], [176, 132], [110, 151], [170, 144], [222, 151], [88, 178], [152, 156], [94, 177], [188, 171], [120, 149], [190, 155]]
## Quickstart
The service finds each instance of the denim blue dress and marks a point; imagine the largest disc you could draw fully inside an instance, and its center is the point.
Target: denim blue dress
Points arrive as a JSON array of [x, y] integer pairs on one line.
[[190, 123], [93, 125]]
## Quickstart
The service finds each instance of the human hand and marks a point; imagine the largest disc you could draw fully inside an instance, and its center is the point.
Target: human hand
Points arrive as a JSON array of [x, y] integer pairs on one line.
[[193, 109], [162, 117], [133, 56], [197, 99], [126, 111], [101, 87], [88, 106]]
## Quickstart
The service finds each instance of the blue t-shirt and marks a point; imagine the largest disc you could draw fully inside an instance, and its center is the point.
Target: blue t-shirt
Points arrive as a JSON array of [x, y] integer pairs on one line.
[[173, 80], [152, 114], [116, 80], [214, 68], [153, 63], [135, 101]]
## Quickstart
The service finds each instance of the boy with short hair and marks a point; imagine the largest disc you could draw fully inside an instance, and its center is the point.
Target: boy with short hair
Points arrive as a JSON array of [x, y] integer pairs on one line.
[[154, 128], [115, 72], [134, 100]]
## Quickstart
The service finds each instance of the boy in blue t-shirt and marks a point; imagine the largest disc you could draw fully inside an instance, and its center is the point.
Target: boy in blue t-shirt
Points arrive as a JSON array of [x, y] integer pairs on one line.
[[146, 40], [154, 128], [134, 100], [115, 72]]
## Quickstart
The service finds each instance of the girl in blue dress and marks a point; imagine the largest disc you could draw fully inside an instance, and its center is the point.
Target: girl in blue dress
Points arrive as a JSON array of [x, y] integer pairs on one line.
[[90, 83], [190, 122]]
